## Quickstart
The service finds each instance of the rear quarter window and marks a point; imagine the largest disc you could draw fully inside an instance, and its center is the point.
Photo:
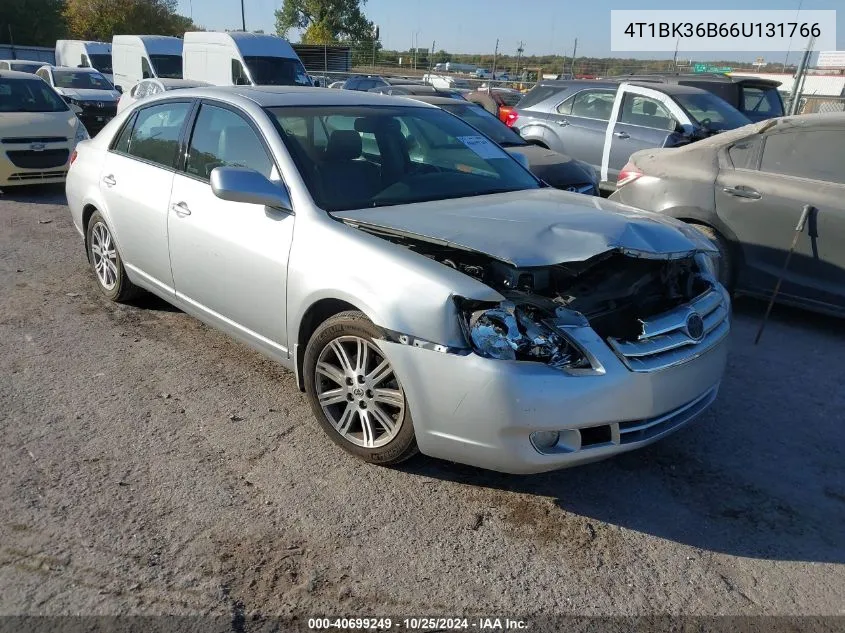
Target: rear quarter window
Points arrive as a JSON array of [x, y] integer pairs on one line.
[[539, 94]]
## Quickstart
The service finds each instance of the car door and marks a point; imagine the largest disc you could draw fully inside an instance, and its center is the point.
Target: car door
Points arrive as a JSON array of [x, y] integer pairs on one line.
[[642, 118], [643, 123], [580, 123], [762, 205], [229, 259], [135, 182]]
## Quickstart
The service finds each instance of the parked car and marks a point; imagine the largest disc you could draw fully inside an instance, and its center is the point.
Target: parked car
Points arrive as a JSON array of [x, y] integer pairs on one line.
[[497, 101], [756, 98], [236, 58], [86, 88], [336, 84], [85, 54], [450, 303], [364, 83], [21, 65], [150, 87], [558, 170], [603, 123], [38, 131], [414, 89], [746, 189], [137, 57]]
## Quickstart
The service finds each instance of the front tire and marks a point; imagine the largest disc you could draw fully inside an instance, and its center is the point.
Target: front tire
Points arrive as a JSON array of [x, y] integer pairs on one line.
[[355, 394], [106, 262]]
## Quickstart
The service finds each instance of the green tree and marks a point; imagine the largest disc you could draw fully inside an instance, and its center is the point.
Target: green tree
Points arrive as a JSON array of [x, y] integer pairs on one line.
[[101, 19], [32, 22], [325, 21]]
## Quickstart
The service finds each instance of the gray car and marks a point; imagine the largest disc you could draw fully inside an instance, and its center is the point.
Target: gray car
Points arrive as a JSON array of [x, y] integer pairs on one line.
[[603, 123], [558, 170], [447, 302], [747, 190]]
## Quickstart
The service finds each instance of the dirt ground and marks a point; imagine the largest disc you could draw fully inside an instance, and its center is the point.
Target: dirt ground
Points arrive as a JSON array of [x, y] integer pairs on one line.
[[150, 465]]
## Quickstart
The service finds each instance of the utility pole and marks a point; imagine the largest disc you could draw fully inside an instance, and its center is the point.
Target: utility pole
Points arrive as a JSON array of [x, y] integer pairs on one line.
[[431, 57], [799, 76], [495, 55], [574, 53], [675, 56], [519, 52], [243, 17]]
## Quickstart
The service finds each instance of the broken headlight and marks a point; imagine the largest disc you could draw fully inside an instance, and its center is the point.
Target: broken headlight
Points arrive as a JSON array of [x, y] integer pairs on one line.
[[511, 331]]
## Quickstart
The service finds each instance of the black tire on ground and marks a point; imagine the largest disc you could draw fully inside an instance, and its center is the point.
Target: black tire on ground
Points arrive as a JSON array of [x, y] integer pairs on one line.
[[354, 324], [123, 289], [726, 265]]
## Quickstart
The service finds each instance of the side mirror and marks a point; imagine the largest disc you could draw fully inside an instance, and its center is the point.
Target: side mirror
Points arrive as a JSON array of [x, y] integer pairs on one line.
[[119, 89], [522, 159], [239, 184]]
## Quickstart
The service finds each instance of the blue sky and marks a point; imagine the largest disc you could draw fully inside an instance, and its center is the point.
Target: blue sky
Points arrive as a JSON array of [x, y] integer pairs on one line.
[[472, 26]]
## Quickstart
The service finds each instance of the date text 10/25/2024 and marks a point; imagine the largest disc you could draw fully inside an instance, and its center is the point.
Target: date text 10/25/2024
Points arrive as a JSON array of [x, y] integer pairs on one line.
[[419, 624]]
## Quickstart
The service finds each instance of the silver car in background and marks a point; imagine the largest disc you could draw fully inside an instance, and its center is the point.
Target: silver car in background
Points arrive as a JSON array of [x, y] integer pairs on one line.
[[443, 300]]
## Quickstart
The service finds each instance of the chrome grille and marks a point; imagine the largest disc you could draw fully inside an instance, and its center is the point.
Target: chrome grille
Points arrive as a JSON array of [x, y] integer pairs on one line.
[[677, 336]]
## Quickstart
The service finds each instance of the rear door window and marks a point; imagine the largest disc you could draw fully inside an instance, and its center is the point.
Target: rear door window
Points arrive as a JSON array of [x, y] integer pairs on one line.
[[743, 154], [815, 154], [155, 136], [538, 94], [593, 104]]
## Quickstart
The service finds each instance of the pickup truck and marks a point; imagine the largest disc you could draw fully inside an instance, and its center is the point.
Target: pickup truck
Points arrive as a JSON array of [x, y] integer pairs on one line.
[[603, 122]]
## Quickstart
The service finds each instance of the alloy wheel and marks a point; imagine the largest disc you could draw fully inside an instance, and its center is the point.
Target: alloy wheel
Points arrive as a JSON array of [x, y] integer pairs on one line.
[[104, 254], [359, 392]]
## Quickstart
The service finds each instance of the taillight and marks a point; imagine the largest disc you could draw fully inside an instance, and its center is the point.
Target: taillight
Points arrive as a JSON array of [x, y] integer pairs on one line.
[[630, 172], [508, 115], [73, 156]]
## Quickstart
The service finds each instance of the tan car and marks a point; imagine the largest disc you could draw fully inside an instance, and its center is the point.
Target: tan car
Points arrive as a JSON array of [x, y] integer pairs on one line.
[[38, 131]]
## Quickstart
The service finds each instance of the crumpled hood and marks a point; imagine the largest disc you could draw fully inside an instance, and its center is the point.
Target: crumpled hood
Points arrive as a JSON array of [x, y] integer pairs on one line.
[[538, 227], [89, 94]]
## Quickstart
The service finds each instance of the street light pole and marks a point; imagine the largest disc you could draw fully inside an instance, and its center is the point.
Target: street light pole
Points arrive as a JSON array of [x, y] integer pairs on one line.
[[243, 17]]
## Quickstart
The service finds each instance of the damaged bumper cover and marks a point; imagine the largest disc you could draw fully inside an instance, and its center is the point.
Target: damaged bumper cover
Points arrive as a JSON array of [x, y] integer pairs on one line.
[[584, 397]]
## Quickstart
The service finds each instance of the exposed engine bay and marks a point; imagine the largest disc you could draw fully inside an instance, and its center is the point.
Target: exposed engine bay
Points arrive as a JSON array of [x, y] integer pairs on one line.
[[612, 292]]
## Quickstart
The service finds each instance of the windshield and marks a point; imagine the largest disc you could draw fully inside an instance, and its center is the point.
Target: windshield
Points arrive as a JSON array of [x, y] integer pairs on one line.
[[167, 66], [485, 122], [711, 112], [276, 71], [356, 157], [80, 80], [101, 62], [29, 95]]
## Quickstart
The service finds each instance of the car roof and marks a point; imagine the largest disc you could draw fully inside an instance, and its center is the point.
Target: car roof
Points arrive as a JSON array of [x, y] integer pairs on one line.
[[71, 68], [439, 101], [270, 96], [16, 74], [28, 62], [178, 83], [701, 77]]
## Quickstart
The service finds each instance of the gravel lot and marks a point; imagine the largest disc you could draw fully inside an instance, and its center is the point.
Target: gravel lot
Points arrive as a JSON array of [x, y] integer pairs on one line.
[[150, 465]]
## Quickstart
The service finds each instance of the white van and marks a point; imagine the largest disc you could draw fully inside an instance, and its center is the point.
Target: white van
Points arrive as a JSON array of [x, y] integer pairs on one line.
[[84, 54], [137, 57], [238, 58], [446, 82]]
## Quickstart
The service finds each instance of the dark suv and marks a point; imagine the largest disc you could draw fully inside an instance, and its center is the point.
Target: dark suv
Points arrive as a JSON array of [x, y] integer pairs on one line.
[[758, 99]]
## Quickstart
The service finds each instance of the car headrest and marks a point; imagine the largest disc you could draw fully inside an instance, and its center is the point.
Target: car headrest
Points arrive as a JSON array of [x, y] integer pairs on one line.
[[344, 145], [649, 108]]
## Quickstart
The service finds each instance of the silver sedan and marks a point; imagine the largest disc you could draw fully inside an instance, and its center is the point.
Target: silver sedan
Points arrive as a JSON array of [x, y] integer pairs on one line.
[[429, 293]]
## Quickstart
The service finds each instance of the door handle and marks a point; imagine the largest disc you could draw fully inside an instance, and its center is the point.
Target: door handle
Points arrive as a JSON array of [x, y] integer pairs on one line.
[[743, 192], [562, 123], [109, 180], [621, 135], [181, 209]]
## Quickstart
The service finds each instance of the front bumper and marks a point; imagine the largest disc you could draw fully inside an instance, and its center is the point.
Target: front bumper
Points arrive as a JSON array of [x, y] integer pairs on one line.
[[482, 412], [25, 167]]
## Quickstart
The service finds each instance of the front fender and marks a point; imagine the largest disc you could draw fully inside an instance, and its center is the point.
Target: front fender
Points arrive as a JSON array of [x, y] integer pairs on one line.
[[395, 287]]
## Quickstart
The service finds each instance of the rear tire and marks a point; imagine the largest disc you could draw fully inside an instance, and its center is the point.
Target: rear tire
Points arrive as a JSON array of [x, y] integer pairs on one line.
[[726, 263], [106, 262], [354, 393]]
